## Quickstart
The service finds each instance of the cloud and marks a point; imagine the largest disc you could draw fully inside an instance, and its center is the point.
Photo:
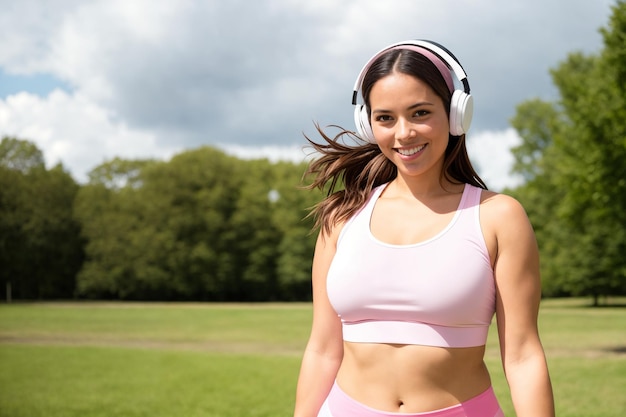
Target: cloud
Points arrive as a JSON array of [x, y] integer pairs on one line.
[[149, 78], [490, 153], [273, 153], [75, 131], [69, 128]]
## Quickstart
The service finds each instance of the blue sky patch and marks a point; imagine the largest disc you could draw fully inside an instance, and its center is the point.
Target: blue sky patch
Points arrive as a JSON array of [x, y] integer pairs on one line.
[[39, 84]]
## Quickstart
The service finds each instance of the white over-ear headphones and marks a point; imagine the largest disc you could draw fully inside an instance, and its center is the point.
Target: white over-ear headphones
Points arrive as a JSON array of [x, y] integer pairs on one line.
[[461, 104]]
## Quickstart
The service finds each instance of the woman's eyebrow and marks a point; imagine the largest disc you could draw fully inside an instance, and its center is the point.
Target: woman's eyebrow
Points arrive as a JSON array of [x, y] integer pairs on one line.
[[411, 107]]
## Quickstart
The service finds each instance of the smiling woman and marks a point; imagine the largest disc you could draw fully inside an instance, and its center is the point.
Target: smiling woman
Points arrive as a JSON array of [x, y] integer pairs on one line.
[[410, 123], [414, 258]]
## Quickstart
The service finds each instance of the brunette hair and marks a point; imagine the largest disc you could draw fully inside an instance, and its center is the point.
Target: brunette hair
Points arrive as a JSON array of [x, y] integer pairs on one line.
[[360, 167]]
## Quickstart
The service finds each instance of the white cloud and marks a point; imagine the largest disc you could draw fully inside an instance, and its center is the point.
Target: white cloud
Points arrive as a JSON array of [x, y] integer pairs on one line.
[[294, 153], [80, 134], [75, 131], [490, 154], [151, 78]]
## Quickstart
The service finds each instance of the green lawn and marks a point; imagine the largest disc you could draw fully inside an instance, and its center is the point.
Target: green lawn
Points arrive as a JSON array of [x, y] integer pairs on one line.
[[238, 360]]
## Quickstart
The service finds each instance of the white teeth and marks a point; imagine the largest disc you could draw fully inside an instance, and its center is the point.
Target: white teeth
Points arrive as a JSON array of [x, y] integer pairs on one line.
[[411, 151]]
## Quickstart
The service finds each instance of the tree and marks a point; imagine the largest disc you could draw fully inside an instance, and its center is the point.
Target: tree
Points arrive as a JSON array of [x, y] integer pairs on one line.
[[12, 217], [572, 156], [297, 242], [159, 233], [40, 246], [112, 215], [119, 173], [20, 155], [203, 226]]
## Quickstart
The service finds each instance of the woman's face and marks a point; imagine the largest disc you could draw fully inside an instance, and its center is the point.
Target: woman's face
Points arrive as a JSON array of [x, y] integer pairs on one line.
[[410, 124]]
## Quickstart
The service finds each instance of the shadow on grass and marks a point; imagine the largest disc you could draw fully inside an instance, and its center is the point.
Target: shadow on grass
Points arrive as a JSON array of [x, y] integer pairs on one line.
[[610, 305], [619, 350], [584, 302]]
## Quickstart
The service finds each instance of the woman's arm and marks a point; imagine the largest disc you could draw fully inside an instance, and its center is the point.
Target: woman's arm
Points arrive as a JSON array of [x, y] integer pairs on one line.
[[518, 295], [324, 350]]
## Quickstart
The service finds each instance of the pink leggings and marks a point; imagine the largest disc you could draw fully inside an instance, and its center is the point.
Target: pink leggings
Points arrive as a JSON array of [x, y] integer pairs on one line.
[[339, 404]]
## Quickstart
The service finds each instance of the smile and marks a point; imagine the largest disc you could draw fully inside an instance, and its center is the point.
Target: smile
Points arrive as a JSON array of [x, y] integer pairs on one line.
[[410, 151]]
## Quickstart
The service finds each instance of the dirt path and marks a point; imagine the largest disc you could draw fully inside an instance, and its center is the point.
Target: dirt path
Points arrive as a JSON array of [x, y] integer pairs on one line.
[[203, 346], [248, 348]]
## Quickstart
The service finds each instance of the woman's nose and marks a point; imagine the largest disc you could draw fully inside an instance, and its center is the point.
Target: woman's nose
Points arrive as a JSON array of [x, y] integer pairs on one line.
[[404, 129]]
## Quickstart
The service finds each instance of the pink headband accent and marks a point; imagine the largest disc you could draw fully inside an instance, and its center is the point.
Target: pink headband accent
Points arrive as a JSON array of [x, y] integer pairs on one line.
[[441, 66], [444, 70]]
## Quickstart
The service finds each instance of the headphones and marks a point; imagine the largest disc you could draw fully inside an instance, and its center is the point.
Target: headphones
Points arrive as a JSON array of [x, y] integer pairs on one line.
[[461, 104]]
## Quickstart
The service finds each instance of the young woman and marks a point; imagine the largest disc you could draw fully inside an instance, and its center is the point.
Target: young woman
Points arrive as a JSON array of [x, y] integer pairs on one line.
[[414, 257]]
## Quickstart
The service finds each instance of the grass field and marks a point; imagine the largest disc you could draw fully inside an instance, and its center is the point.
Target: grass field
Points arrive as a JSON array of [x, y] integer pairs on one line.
[[239, 360]]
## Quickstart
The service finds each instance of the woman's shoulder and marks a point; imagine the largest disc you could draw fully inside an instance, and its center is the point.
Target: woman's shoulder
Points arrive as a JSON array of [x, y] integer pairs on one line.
[[501, 209], [499, 201], [330, 235]]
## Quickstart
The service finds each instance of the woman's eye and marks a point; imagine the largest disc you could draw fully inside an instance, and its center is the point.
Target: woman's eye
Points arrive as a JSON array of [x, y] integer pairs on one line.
[[383, 118], [421, 113]]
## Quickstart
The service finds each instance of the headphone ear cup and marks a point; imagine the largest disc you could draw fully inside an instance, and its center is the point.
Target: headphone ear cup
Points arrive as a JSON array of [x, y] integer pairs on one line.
[[362, 122], [461, 112]]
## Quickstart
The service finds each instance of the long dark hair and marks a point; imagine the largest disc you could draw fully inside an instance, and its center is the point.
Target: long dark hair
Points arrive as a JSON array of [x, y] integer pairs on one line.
[[361, 166]]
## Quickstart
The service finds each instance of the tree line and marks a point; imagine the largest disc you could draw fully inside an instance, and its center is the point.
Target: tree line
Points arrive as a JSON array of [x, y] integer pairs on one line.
[[573, 160], [208, 226], [202, 226]]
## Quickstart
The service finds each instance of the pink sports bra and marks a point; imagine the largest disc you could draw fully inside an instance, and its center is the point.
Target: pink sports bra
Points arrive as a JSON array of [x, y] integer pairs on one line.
[[439, 292]]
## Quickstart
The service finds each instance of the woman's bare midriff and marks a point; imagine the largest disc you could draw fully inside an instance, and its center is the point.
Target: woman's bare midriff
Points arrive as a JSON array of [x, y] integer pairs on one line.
[[412, 378]]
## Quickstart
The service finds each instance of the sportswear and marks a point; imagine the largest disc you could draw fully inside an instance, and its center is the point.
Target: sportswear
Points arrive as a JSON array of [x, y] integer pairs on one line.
[[439, 292], [339, 404]]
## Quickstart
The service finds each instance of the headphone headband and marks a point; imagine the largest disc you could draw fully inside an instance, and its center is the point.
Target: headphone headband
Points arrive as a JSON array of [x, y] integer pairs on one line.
[[437, 54], [461, 105]]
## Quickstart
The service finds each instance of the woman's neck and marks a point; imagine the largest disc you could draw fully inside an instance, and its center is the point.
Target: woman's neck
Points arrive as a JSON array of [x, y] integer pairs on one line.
[[423, 188]]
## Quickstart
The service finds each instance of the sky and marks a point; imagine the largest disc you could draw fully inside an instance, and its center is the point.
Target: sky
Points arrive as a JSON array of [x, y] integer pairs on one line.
[[90, 80]]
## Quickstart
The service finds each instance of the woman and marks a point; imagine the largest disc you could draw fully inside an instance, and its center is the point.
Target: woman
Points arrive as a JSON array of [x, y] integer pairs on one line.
[[414, 257]]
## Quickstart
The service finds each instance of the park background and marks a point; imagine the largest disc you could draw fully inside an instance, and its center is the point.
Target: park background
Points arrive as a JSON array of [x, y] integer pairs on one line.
[[206, 226]]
